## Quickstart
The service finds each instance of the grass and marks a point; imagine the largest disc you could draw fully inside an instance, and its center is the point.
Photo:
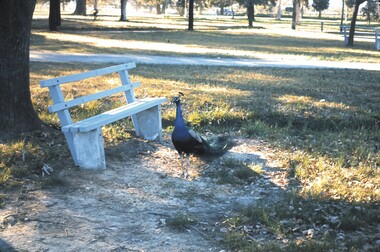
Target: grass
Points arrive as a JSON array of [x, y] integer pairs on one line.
[[181, 221], [322, 122], [235, 172], [323, 125], [214, 37], [298, 224]]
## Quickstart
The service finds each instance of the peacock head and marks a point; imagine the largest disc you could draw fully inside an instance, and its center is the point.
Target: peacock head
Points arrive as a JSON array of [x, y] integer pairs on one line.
[[177, 99]]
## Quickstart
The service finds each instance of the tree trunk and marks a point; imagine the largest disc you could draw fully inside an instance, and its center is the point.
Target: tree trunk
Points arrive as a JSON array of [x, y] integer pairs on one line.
[[250, 10], [279, 11], [294, 15], [80, 9], [191, 15], [54, 15], [298, 12], [353, 22], [123, 5], [16, 109], [158, 9]]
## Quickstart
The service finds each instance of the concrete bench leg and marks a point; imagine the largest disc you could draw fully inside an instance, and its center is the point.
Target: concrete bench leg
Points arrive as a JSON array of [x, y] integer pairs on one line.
[[150, 124], [89, 149]]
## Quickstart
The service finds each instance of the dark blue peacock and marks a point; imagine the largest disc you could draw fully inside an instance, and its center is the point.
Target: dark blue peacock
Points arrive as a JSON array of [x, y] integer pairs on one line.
[[187, 141]]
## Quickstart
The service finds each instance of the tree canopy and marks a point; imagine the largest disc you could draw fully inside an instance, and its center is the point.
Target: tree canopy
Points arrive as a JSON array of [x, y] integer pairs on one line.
[[320, 5]]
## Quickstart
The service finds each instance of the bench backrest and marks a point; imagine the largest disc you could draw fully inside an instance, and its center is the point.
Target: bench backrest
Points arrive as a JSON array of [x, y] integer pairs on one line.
[[61, 106]]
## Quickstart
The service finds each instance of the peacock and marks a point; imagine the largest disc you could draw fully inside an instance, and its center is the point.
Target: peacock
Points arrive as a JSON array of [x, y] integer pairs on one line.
[[187, 141]]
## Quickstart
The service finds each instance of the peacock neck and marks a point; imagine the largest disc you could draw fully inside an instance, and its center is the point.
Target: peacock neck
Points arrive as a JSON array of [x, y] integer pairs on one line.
[[179, 122]]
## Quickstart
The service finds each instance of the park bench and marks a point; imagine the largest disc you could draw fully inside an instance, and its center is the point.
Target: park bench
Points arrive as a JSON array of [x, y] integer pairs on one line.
[[84, 137], [362, 31]]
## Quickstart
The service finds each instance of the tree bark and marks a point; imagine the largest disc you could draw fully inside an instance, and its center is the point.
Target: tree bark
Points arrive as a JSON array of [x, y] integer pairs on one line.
[[80, 9], [279, 11], [294, 15], [16, 109], [251, 13], [298, 12], [191, 15], [353, 23], [123, 7], [54, 15], [158, 9]]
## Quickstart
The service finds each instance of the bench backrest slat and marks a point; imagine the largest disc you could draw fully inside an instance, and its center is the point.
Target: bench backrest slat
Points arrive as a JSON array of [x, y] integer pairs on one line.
[[85, 75], [57, 97], [84, 99], [129, 94]]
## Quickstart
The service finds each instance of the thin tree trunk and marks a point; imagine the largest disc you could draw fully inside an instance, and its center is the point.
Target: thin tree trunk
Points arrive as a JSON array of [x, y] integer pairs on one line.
[[54, 15], [123, 16], [353, 22], [298, 12], [250, 10], [191, 15], [16, 109], [352, 27], [294, 15], [158, 9], [279, 11]]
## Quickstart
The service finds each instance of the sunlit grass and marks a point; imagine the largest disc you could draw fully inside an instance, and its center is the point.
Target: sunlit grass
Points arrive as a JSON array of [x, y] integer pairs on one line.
[[222, 37]]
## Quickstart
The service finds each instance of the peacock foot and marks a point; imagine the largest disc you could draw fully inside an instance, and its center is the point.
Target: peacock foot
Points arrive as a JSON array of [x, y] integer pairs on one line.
[[185, 175]]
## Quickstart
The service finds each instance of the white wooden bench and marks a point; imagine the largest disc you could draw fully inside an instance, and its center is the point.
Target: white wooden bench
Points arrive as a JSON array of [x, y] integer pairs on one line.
[[364, 32], [84, 137]]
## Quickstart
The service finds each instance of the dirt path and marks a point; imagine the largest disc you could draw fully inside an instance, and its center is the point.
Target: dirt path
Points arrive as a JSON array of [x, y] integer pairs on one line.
[[134, 204]]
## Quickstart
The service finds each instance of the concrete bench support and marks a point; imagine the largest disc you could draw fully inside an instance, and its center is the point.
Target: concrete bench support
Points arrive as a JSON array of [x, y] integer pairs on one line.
[[146, 119], [89, 149]]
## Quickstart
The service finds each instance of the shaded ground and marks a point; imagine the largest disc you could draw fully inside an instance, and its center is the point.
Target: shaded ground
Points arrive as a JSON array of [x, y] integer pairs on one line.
[[139, 203]]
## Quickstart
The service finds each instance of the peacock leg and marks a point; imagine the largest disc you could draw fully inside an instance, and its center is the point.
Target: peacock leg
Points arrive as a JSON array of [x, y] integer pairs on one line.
[[187, 165], [181, 156]]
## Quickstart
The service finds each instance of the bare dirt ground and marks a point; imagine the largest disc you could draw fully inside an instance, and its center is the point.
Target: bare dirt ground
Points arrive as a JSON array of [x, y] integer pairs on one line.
[[132, 205]]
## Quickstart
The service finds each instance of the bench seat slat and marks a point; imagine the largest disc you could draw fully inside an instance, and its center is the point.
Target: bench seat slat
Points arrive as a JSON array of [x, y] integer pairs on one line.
[[113, 115], [85, 75], [80, 100]]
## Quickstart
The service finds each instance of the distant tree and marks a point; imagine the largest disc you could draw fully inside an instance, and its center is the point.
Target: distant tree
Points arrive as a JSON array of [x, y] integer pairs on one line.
[[350, 3], [16, 109], [353, 22], [279, 10], [152, 3], [250, 12], [123, 8], [250, 6], [296, 13], [180, 5], [221, 4], [54, 15], [191, 15], [80, 8], [370, 11], [320, 5]]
